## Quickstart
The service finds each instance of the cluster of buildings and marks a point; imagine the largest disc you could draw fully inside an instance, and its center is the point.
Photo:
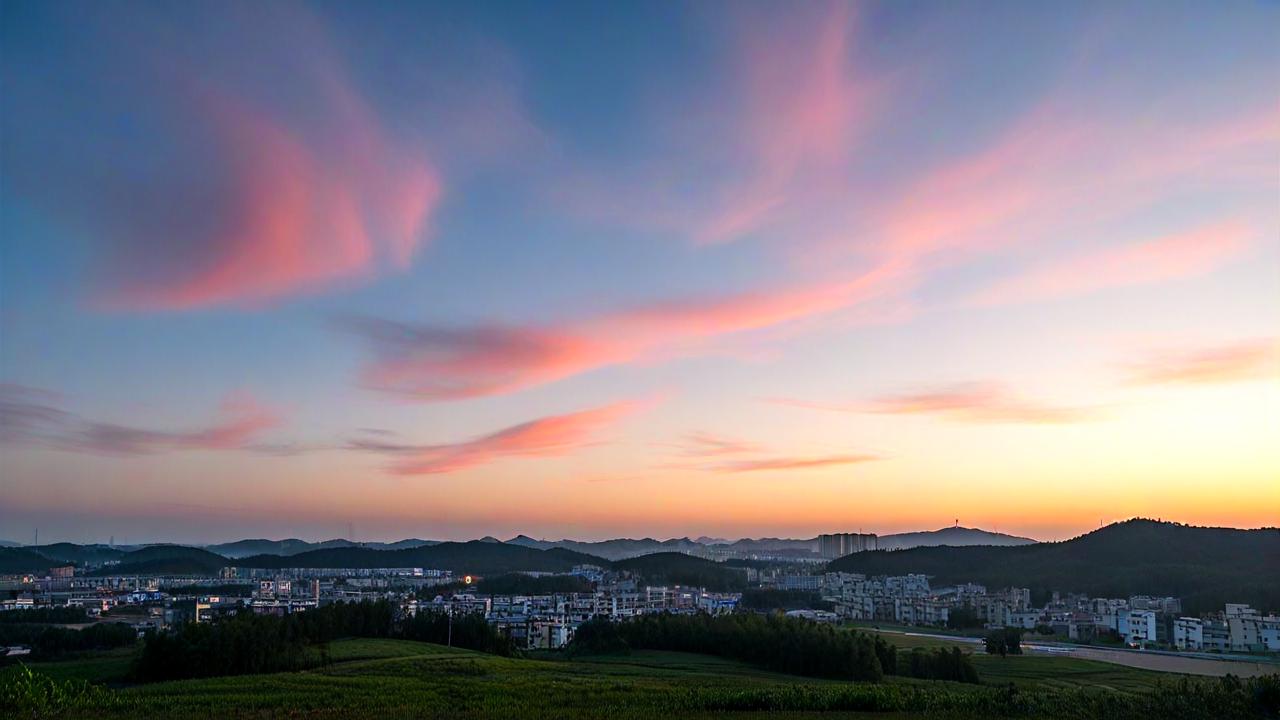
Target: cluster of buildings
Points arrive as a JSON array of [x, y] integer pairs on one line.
[[548, 620]]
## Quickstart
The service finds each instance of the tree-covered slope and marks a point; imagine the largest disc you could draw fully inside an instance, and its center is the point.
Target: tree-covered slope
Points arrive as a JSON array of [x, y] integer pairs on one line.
[[1206, 567]]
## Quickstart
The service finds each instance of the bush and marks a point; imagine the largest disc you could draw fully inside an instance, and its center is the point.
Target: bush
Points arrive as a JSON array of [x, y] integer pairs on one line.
[[1004, 641]]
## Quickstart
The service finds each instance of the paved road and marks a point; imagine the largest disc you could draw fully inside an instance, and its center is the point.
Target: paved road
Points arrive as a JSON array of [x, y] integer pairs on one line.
[[1189, 664]]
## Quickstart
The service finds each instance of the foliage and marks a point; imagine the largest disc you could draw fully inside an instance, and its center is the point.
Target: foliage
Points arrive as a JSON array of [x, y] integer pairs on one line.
[[673, 568], [521, 584], [963, 618], [1205, 567], [475, 557], [598, 636], [417, 680], [51, 641], [33, 695], [469, 630], [771, 599], [246, 643], [937, 664], [1004, 641], [775, 642], [48, 615]]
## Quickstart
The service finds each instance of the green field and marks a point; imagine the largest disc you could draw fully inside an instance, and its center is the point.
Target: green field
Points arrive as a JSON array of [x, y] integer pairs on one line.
[[386, 679]]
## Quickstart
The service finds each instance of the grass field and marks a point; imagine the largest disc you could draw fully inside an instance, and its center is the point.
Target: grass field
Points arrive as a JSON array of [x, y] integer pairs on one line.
[[388, 679]]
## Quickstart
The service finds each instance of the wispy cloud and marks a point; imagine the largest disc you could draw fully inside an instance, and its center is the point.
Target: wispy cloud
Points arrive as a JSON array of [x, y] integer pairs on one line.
[[26, 417], [1188, 253], [789, 463], [704, 444], [1234, 362], [965, 402], [441, 363], [549, 436]]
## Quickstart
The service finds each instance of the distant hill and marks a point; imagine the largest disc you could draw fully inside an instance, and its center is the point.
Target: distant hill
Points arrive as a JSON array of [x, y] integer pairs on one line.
[[618, 549], [671, 568], [167, 560], [78, 554], [22, 560], [1206, 567], [951, 536], [293, 546], [623, 548], [477, 557]]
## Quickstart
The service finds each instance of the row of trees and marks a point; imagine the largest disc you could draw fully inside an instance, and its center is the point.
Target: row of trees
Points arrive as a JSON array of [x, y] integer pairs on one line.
[[936, 664], [49, 641], [47, 615], [246, 643], [771, 599], [775, 642]]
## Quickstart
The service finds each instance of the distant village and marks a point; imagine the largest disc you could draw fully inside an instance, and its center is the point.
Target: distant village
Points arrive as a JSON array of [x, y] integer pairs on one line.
[[548, 620]]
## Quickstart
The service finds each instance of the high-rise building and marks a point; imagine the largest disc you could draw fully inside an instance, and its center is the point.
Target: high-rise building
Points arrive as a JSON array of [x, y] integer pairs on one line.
[[841, 544]]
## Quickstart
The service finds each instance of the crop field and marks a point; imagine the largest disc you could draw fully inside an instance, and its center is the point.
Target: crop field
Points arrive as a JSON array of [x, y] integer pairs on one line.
[[374, 678]]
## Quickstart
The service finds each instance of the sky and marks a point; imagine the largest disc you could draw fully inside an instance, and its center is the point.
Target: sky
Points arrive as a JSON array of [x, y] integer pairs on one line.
[[592, 270]]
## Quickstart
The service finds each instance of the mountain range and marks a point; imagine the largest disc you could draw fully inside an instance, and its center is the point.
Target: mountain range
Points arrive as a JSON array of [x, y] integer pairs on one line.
[[615, 549], [626, 548]]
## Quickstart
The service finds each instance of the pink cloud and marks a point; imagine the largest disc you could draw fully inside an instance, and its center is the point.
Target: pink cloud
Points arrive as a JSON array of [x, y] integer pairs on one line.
[[704, 444], [27, 417], [549, 436], [1183, 254], [1053, 164], [441, 363], [802, 116], [969, 402], [1235, 362], [294, 210], [790, 463]]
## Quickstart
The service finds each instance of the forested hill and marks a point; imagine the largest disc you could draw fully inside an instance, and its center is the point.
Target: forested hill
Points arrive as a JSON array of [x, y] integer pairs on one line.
[[673, 568], [475, 557], [1206, 567]]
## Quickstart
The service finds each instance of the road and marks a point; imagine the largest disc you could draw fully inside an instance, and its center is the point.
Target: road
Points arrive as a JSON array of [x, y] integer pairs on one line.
[[1186, 663]]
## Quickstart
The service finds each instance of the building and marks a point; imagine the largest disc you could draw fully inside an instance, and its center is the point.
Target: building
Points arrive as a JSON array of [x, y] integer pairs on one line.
[[1137, 627], [1188, 633], [841, 544]]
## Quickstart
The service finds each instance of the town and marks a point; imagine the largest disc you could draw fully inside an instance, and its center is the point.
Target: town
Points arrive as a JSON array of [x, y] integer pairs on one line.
[[548, 619]]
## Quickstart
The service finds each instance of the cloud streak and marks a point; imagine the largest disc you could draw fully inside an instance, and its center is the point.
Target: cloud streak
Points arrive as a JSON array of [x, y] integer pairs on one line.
[[433, 363], [1188, 253], [27, 417], [1234, 362], [549, 436], [965, 402], [790, 463]]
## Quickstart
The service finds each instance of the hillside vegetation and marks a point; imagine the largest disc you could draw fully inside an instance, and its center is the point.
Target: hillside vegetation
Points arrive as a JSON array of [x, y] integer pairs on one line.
[[1206, 567]]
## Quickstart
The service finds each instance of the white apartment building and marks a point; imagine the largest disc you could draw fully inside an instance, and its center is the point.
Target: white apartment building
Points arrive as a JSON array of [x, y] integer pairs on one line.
[[1188, 633]]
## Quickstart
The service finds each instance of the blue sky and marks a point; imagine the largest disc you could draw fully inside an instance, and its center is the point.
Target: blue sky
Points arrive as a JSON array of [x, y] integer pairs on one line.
[[588, 270]]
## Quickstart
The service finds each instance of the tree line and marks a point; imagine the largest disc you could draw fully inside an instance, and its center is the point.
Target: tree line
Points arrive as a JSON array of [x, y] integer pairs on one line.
[[46, 615], [774, 642], [247, 643], [48, 642]]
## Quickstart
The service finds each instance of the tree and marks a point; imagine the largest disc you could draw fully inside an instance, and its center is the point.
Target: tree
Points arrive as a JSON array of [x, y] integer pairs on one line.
[[1004, 641]]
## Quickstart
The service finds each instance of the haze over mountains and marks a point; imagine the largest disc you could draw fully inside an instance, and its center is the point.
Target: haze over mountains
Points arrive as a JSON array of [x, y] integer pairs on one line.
[[614, 549], [624, 548]]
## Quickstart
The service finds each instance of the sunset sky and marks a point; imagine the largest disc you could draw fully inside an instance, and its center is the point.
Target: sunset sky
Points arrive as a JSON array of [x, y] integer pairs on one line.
[[607, 269]]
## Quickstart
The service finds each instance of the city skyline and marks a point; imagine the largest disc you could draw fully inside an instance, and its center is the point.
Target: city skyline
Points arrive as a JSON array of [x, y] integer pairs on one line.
[[661, 271]]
